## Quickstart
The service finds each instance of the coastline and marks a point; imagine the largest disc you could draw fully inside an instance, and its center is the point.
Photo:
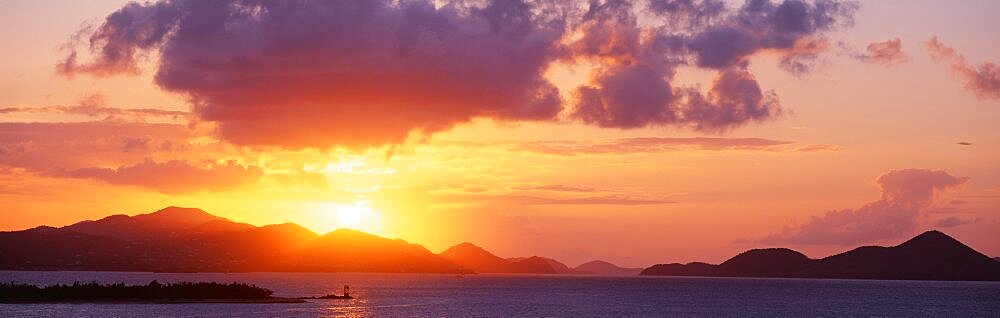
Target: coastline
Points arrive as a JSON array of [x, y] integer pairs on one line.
[[275, 300]]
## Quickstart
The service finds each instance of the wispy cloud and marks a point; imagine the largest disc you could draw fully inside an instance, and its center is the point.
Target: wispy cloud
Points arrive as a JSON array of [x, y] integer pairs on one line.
[[555, 188], [953, 221], [888, 53], [171, 177], [519, 199], [96, 106], [818, 148], [137, 154], [647, 144], [983, 80]]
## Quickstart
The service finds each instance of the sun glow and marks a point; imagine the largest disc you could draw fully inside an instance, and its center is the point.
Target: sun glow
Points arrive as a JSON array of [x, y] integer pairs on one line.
[[358, 216]]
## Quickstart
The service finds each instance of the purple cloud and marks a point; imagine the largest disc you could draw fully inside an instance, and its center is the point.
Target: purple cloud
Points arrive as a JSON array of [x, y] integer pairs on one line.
[[632, 87], [367, 73]]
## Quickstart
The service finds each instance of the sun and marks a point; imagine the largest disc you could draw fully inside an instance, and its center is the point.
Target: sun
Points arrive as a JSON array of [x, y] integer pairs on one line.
[[349, 216], [358, 216]]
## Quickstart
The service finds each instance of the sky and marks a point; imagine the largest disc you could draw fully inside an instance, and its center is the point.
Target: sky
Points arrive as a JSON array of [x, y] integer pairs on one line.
[[634, 132]]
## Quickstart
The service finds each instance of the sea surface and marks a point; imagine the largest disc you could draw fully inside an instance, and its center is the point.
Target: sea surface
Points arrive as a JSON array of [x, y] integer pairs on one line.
[[425, 295]]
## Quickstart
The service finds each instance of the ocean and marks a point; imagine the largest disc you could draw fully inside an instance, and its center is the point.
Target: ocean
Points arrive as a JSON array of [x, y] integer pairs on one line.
[[427, 295]]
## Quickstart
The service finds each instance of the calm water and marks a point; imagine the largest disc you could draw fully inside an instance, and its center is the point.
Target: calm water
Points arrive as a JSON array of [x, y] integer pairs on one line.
[[391, 295]]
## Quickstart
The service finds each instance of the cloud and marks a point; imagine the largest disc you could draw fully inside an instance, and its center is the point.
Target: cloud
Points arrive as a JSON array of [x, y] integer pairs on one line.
[[632, 86], [953, 221], [137, 154], [172, 177], [646, 144], [792, 29], [818, 148], [358, 74], [517, 199], [983, 80], [906, 194], [555, 188], [888, 53], [347, 73], [44, 146], [687, 14], [95, 106], [450, 194]]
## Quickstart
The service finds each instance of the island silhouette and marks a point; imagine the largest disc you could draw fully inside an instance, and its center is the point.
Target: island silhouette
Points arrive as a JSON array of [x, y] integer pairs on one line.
[[178, 239], [480, 260], [929, 256]]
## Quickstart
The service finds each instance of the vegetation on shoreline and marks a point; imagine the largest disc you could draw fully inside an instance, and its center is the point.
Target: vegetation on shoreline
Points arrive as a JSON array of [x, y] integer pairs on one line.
[[154, 291]]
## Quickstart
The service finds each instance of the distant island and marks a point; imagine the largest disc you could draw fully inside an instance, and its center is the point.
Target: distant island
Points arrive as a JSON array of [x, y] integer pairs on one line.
[[929, 256], [605, 268], [480, 260], [154, 292]]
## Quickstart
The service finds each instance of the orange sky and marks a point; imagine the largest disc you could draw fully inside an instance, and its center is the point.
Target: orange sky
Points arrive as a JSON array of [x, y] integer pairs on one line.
[[481, 154]]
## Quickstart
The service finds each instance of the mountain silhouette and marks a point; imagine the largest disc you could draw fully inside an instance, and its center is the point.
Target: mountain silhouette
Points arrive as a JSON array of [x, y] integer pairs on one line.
[[929, 256], [165, 222], [185, 239], [356, 251], [605, 268], [556, 266], [476, 258]]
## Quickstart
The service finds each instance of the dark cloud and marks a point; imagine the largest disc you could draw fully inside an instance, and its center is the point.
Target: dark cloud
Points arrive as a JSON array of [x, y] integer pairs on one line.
[[172, 177], [325, 73], [906, 194], [130, 144], [367, 73], [687, 14], [646, 144], [633, 84], [983, 80], [888, 53], [792, 29]]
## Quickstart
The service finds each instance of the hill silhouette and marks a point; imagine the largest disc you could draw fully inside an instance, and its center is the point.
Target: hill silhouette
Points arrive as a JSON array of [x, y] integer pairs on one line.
[[605, 268], [539, 261], [480, 260], [929, 256], [165, 222], [186, 239], [476, 258]]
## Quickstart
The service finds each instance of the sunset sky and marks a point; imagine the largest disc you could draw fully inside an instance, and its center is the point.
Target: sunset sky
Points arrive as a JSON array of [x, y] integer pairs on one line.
[[637, 133]]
